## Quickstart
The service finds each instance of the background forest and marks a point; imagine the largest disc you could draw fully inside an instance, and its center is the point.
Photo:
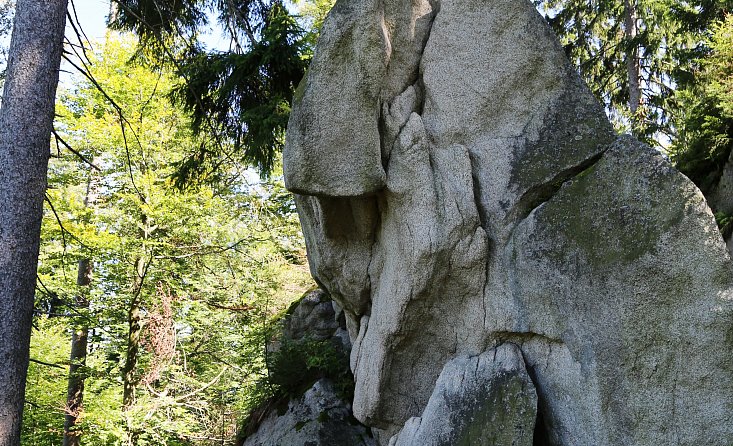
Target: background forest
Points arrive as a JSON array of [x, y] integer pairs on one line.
[[169, 246]]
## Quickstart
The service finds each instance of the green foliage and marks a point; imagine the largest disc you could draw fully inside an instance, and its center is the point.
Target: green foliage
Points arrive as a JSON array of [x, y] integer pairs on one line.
[[43, 418], [685, 58], [669, 44], [153, 19], [298, 364], [704, 141], [242, 96], [219, 263], [725, 223], [706, 127], [292, 369], [720, 65], [238, 101], [313, 13]]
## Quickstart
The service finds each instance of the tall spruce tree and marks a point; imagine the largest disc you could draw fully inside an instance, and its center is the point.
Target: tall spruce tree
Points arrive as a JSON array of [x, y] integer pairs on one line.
[[704, 146], [26, 119]]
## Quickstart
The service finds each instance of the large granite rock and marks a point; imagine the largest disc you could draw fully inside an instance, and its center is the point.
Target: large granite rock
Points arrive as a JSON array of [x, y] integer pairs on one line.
[[509, 212]]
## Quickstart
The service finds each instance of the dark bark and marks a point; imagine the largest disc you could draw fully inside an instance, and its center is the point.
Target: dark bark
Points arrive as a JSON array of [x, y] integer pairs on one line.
[[75, 387], [133, 339], [26, 119], [79, 337], [130, 372]]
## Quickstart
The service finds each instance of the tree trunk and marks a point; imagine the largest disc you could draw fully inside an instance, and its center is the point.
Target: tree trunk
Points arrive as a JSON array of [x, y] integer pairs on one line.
[[75, 387], [133, 338], [26, 120], [79, 336], [632, 61], [129, 373]]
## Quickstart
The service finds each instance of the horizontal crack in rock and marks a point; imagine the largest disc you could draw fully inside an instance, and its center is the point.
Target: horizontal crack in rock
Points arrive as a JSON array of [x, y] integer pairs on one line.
[[540, 194], [519, 338]]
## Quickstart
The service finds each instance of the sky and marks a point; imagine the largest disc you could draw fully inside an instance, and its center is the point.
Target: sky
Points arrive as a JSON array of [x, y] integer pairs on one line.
[[92, 16]]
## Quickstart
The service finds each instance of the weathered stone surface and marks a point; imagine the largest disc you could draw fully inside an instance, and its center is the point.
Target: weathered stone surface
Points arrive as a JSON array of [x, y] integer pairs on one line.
[[339, 233], [510, 212], [485, 400], [337, 106], [313, 318], [334, 129], [318, 418], [625, 266]]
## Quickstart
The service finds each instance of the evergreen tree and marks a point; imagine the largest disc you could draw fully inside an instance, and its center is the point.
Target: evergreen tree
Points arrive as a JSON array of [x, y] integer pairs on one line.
[[635, 54], [703, 149], [238, 100]]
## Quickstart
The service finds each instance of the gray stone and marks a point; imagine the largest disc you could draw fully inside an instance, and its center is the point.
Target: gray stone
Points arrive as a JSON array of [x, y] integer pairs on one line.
[[510, 212], [368, 52], [312, 318], [337, 106], [485, 400], [625, 268], [318, 418]]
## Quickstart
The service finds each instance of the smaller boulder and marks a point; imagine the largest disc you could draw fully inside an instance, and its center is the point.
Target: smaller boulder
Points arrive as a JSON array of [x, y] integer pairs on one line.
[[484, 400], [309, 364], [314, 317], [318, 418]]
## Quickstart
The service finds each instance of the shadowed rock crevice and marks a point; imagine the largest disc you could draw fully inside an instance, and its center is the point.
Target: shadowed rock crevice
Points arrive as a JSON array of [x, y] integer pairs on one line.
[[540, 435], [539, 194], [483, 213], [402, 91], [521, 338]]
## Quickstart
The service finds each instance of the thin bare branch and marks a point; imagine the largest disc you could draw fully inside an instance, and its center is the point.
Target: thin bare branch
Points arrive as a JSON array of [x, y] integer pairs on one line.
[[37, 361], [61, 140]]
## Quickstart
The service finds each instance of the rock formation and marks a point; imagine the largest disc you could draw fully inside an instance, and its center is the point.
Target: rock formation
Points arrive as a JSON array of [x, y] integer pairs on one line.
[[319, 417], [464, 198], [317, 414]]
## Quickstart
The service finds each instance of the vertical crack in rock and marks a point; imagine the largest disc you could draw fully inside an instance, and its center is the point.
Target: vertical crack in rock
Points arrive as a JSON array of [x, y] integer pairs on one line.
[[540, 436], [405, 97], [435, 4], [483, 213], [537, 349]]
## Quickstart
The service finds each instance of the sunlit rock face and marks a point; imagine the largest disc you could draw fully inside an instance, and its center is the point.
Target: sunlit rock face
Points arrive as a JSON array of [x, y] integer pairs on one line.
[[461, 189]]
